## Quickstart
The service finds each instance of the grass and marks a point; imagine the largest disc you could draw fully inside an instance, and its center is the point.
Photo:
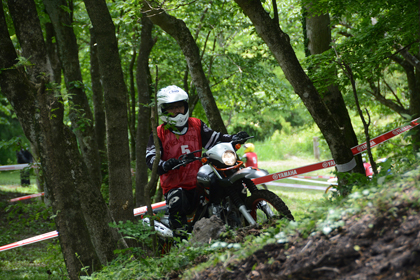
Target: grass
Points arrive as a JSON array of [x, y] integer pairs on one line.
[[22, 220]]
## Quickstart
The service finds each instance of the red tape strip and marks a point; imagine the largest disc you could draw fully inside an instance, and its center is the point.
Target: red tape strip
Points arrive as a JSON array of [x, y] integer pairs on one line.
[[26, 197], [53, 234]]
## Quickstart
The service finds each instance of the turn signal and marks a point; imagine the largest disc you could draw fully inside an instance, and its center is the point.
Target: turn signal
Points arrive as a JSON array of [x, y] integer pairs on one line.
[[203, 160], [237, 146]]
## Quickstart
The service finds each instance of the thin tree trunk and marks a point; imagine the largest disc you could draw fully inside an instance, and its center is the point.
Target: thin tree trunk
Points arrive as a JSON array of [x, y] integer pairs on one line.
[[80, 113], [144, 88], [115, 96], [52, 51], [180, 32], [98, 100], [131, 103], [318, 33]]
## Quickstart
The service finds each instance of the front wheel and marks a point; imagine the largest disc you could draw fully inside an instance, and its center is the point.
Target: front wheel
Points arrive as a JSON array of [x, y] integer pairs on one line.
[[264, 205]]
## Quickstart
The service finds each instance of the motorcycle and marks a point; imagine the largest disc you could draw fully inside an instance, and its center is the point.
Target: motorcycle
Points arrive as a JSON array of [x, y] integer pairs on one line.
[[223, 184]]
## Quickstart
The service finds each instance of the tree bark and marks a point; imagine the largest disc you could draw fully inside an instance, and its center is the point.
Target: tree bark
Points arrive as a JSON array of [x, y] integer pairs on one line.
[[144, 88], [318, 33], [52, 51], [97, 98], [80, 113], [279, 44], [115, 96], [131, 103], [180, 32]]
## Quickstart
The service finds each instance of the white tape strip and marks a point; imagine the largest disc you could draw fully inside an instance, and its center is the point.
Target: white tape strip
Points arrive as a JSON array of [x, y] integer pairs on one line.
[[298, 186], [310, 181], [13, 167], [347, 166]]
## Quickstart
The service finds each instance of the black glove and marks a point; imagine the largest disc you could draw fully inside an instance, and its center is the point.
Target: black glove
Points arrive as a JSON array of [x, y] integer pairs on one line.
[[240, 136], [170, 163]]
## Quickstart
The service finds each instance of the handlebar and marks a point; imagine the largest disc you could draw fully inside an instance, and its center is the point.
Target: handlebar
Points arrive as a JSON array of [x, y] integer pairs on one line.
[[188, 158], [241, 140]]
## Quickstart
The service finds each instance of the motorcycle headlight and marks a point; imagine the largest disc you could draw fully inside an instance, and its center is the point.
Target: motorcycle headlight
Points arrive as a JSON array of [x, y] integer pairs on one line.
[[229, 158]]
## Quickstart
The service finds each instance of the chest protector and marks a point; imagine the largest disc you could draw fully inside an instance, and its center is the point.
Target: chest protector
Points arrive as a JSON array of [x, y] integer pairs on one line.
[[176, 145]]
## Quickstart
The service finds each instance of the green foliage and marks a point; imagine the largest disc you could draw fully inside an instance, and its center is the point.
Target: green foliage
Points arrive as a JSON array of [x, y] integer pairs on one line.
[[22, 220], [139, 231], [368, 37]]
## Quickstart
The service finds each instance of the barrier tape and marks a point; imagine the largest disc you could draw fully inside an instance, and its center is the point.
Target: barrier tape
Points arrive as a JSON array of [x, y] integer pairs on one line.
[[45, 236], [300, 186], [17, 166], [53, 234], [13, 167], [330, 163], [310, 181], [26, 197], [272, 177], [314, 177]]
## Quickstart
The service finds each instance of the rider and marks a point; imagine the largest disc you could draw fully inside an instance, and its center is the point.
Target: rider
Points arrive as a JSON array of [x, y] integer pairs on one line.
[[250, 156], [178, 135]]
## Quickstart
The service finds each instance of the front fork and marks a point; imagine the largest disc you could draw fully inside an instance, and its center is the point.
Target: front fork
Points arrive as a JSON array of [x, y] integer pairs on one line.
[[237, 201], [241, 207]]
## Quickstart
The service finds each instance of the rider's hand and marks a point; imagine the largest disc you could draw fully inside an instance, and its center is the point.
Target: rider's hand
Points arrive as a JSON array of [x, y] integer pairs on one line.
[[239, 136], [170, 163]]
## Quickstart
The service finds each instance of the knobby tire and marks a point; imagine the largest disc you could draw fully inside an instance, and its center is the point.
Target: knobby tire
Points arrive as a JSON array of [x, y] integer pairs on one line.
[[276, 202]]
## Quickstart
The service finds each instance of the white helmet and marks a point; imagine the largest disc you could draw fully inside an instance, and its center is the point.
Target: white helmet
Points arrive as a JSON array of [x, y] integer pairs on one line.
[[172, 94]]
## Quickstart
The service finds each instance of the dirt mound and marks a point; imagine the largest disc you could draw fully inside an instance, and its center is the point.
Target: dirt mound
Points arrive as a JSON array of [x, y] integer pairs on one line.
[[386, 246]]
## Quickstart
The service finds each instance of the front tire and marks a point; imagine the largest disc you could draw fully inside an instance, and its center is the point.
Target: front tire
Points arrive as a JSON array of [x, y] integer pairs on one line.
[[264, 205]]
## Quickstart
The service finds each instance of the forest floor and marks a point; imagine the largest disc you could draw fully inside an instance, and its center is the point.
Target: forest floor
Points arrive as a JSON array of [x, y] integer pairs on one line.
[[381, 244]]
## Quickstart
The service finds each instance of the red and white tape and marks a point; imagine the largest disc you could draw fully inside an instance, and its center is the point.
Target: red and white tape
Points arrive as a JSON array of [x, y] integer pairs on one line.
[[13, 167], [330, 163], [286, 185], [42, 237], [26, 197], [52, 234], [314, 177]]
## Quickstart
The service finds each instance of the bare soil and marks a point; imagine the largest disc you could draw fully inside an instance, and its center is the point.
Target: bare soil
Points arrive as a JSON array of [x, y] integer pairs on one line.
[[382, 246]]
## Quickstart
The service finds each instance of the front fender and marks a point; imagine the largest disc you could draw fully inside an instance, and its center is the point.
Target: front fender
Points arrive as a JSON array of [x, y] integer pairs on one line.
[[248, 173]]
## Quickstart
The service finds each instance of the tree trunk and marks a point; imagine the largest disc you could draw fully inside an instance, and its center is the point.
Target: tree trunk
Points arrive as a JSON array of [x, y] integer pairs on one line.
[[180, 32], [40, 115], [318, 33], [80, 113], [97, 98], [52, 51], [415, 111], [115, 96], [131, 103], [144, 88], [279, 44]]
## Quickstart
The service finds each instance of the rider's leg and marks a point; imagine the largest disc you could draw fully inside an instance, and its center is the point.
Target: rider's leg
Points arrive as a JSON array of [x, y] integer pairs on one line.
[[179, 203]]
